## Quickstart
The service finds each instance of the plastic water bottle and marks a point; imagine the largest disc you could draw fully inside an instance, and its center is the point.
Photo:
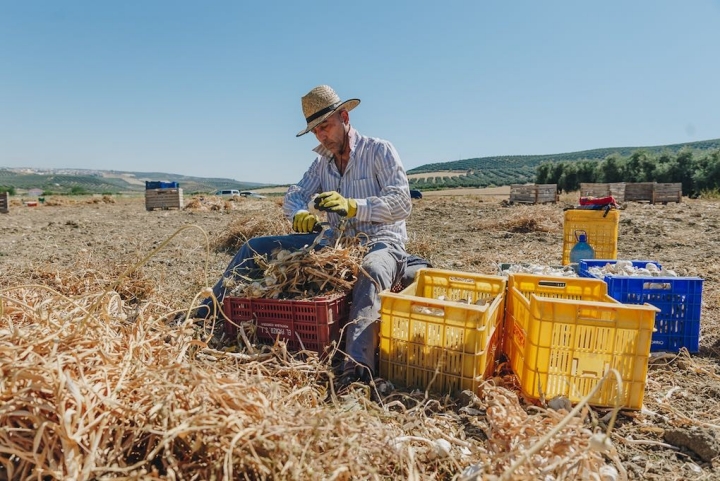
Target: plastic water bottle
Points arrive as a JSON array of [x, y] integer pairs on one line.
[[581, 250]]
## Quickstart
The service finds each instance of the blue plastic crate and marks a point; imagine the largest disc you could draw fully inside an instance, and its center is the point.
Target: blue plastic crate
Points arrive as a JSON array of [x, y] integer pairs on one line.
[[678, 298], [158, 184]]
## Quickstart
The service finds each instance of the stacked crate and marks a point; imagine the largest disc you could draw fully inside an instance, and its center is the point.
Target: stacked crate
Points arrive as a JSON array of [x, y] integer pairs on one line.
[[668, 192], [616, 190], [533, 193], [652, 192], [163, 195], [639, 191]]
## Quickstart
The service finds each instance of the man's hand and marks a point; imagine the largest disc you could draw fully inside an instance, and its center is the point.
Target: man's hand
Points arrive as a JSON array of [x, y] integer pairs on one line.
[[304, 221], [334, 202]]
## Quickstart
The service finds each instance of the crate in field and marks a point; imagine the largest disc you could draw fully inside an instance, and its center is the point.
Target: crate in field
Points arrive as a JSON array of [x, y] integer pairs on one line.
[[313, 324], [533, 193], [664, 193], [615, 189], [163, 199], [594, 190], [601, 227], [567, 333], [653, 192], [4, 202], [442, 332], [522, 193], [679, 300], [639, 191]]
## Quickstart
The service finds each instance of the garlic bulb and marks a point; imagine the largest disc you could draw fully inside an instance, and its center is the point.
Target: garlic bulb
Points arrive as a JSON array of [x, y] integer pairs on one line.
[[442, 448]]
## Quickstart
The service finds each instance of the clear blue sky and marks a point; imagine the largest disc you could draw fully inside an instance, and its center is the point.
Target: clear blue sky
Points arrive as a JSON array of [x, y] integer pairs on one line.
[[213, 89]]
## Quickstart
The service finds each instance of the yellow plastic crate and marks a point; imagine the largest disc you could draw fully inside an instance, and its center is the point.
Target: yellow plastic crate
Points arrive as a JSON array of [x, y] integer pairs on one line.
[[565, 334], [601, 229], [457, 286], [442, 332], [584, 289]]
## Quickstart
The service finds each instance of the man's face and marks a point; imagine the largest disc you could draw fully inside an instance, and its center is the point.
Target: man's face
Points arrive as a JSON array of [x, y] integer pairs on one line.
[[331, 132]]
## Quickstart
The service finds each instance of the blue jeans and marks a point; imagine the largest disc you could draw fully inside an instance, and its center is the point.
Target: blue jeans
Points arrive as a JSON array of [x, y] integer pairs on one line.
[[382, 267]]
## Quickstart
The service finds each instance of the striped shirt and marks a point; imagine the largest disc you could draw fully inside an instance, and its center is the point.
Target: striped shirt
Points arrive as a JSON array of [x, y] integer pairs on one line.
[[374, 177]]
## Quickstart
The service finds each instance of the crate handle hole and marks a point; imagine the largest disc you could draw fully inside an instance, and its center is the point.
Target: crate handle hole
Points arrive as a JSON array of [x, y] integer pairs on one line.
[[595, 317], [462, 279], [428, 310], [552, 284]]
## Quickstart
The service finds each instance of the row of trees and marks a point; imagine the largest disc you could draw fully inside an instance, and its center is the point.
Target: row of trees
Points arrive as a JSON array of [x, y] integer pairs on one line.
[[477, 178], [75, 190], [697, 171]]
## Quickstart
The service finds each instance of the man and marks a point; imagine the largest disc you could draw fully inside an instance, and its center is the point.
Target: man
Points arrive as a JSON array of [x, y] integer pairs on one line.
[[360, 180]]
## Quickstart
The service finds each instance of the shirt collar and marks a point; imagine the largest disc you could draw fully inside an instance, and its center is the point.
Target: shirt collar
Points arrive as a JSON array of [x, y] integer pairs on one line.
[[352, 138]]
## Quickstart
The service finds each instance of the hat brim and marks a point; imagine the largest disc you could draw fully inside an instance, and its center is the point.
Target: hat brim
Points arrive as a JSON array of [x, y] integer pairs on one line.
[[347, 105]]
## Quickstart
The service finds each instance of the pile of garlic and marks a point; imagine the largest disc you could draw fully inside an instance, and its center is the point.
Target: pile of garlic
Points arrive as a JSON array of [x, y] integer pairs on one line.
[[539, 269], [439, 311], [626, 268]]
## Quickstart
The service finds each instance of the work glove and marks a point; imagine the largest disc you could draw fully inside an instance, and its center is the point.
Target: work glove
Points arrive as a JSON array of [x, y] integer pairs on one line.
[[304, 221], [334, 202]]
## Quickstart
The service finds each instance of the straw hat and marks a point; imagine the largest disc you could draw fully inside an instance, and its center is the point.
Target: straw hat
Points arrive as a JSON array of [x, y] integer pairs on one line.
[[320, 103]]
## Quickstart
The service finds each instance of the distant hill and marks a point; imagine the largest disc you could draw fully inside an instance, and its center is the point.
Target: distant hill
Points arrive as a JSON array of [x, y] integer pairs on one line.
[[534, 160], [518, 169], [65, 181], [474, 172]]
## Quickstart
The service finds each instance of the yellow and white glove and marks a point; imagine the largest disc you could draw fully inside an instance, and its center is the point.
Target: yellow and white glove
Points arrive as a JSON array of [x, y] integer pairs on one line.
[[304, 222], [334, 202]]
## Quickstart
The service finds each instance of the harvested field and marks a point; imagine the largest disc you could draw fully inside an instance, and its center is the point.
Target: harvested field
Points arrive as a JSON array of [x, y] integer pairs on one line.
[[95, 384]]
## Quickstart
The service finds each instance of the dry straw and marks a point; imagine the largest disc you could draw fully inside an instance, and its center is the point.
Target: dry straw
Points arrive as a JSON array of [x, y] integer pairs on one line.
[[303, 274], [247, 226], [94, 388]]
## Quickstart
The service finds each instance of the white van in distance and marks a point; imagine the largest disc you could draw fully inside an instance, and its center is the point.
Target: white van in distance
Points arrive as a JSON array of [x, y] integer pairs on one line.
[[233, 194], [228, 193]]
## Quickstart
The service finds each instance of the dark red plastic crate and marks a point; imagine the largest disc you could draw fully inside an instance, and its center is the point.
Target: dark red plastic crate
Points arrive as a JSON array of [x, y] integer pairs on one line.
[[309, 324]]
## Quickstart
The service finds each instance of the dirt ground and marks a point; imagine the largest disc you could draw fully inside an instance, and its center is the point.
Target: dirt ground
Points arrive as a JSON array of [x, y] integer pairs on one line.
[[676, 436]]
